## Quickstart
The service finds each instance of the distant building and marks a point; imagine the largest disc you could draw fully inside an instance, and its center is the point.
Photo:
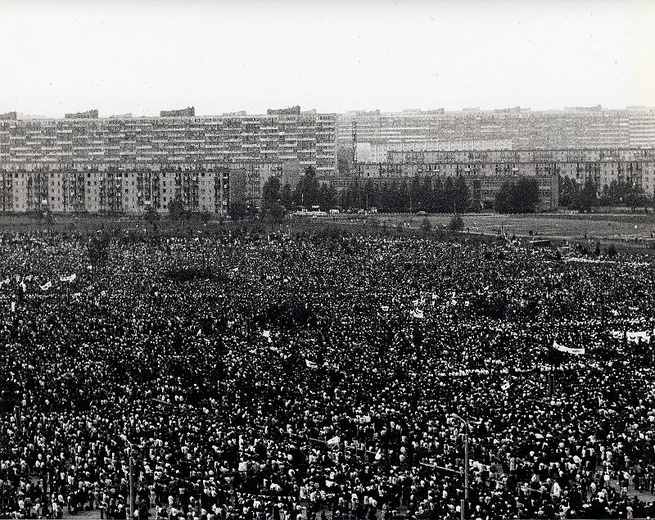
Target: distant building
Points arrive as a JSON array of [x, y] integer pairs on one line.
[[128, 164], [292, 111], [635, 166], [485, 170], [182, 112], [9, 116], [514, 128], [89, 114]]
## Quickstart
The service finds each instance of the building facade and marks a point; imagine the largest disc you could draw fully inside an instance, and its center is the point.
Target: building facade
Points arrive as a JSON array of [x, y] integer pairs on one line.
[[485, 170], [128, 164], [482, 187], [376, 133], [635, 166]]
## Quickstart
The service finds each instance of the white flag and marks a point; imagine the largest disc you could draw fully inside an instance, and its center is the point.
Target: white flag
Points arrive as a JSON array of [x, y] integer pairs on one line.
[[636, 337], [310, 364], [334, 441], [418, 314], [568, 350], [70, 278], [46, 286]]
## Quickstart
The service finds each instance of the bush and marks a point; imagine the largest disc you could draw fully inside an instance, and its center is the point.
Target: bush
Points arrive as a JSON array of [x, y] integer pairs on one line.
[[456, 224], [426, 225]]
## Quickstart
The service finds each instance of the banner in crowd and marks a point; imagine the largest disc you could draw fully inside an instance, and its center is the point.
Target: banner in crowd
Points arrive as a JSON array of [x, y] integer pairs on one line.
[[568, 350], [632, 337], [418, 314], [636, 337]]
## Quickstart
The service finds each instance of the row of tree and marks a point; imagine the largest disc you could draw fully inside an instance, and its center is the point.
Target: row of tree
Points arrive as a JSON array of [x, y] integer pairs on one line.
[[277, 199], [588, 195], [520, 196], [435, 195], [432, 195], [429, 194]]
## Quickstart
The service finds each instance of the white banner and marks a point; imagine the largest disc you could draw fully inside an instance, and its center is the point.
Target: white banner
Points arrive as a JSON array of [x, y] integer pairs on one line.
[[568, 350], [636, 337]]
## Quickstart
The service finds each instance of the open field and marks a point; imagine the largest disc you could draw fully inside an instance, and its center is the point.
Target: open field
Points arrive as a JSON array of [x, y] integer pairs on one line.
[[635, 229], [602, 227]]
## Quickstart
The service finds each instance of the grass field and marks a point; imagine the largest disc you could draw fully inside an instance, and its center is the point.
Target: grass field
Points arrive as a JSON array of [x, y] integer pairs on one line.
[[635, 229], [603, 227]]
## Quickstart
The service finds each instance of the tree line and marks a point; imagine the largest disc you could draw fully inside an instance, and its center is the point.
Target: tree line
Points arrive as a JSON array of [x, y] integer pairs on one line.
[[428, 194], [584, 197]]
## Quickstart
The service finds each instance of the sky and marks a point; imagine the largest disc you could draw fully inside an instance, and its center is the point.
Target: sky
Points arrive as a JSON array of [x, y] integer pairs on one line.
[[144, 56]]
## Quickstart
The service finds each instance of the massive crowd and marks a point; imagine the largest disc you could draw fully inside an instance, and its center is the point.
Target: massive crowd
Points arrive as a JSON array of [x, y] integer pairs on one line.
[[336, 376]]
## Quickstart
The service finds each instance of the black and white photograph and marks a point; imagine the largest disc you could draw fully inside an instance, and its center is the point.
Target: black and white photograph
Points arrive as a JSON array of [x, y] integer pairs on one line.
[[327, 259]]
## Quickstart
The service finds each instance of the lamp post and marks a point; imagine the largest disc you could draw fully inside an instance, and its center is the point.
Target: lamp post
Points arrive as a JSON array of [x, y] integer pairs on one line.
[[466, 465], [130, 447]]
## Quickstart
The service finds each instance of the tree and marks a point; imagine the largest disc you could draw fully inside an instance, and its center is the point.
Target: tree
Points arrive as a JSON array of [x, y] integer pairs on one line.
[[176, 209], [568, 189], [306, 193], [425, 195], [415, 194], [286, 198], [586, 198], [460, 195], [437, 201], [426, 226], [456, 224], [271, 191], [521, 196], [327, 197], [448, 195], [502, 202], [151, 216], [238, 211], [526, 195], [271, 207]]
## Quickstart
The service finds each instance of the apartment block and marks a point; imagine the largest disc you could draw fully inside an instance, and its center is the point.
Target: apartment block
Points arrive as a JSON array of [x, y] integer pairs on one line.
[[126, 164], [377, 133]]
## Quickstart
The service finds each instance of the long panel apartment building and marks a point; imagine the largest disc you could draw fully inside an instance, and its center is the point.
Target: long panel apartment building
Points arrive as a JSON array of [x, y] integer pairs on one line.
[[126, 164], [375, 133], [485, 171]]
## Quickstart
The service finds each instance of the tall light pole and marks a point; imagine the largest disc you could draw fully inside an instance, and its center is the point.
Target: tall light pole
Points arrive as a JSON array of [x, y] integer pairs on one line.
[[130, 447], [466, 465]]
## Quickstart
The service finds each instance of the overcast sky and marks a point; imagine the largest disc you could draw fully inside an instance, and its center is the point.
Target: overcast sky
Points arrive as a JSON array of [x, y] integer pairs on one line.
[[219, 56]]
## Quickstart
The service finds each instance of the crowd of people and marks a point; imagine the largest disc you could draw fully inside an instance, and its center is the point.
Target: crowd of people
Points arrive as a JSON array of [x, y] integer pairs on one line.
[[267, 376]]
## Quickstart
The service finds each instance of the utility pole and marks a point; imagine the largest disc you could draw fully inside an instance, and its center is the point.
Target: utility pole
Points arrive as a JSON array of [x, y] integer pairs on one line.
[[464, 501], [355, 146], [130, 456], [131, 482]]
